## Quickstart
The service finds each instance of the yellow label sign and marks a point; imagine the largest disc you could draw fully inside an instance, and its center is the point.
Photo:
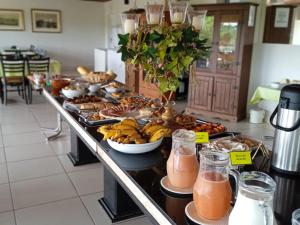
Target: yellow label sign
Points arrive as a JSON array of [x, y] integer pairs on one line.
[[202, 137], [240, 158]]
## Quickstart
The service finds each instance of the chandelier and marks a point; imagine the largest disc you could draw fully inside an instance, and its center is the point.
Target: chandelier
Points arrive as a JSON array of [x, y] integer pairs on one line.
[[179, 12]]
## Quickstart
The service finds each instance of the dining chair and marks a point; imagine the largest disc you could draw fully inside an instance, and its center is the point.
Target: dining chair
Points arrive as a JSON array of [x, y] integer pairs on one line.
[[13, 76], [36, 65]]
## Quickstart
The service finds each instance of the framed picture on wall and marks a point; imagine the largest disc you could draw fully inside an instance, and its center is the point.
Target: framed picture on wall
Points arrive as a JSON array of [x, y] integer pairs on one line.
[[11, 19], [46, 21]]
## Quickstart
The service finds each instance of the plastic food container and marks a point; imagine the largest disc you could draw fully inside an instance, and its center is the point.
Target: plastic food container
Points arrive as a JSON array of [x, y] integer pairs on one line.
[[257, 115]]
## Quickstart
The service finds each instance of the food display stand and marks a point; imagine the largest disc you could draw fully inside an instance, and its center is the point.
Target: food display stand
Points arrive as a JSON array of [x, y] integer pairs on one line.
[[132, 182]]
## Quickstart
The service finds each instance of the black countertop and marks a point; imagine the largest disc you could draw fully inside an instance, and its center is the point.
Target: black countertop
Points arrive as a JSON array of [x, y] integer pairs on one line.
[[148, 169]]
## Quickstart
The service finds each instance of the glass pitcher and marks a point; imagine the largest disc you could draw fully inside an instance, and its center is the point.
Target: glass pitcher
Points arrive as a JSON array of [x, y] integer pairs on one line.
[[212, 191], [254, 204], [182, 165], [296, 217]]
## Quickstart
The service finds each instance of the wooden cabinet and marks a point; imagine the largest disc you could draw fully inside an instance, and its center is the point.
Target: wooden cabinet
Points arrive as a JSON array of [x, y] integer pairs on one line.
[[221, 85], [201, 92], [224, 95]]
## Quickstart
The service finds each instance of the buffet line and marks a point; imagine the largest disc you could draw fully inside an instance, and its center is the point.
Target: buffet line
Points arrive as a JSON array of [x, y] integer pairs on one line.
[[206, 161]]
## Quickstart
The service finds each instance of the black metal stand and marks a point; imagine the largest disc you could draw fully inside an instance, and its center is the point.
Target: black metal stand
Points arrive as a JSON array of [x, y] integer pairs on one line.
[[80, 154], [116, 202]]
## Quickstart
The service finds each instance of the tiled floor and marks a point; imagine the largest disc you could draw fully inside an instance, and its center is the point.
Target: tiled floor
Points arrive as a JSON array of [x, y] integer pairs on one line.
[[38, 183]]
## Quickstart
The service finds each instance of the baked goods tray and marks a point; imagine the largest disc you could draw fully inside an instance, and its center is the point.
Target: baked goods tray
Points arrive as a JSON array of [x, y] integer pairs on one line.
[[77, 107], [125, 93], [84, 118]]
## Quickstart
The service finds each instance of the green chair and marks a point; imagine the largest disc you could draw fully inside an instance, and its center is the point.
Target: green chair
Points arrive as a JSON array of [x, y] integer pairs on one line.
[[36, 65], [13, 79]]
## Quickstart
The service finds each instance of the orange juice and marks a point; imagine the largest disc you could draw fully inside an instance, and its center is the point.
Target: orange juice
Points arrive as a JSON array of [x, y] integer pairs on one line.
[[212, 195], [182, 168]]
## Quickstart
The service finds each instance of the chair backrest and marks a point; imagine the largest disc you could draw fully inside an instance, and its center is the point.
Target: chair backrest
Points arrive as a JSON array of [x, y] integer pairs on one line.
[[40, 65], [12, 67]]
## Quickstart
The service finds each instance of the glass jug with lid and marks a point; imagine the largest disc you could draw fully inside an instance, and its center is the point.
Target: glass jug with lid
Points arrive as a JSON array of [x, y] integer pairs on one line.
[[254, 204], [182, 165], [212, 191]]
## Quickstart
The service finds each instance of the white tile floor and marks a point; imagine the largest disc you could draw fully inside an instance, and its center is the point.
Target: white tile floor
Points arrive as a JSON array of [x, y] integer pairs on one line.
[[38, 183]]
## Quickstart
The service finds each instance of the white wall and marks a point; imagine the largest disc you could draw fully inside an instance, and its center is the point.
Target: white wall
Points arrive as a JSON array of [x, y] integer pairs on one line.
[[273, 62], [83, 25]]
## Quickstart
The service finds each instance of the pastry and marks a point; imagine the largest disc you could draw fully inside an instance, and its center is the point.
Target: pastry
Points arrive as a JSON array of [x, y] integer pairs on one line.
[[82, 70]]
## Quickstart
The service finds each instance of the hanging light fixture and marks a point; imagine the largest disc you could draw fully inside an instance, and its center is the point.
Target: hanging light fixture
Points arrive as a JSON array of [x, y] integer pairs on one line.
[[197, 19], [154, 13], [178, 12]]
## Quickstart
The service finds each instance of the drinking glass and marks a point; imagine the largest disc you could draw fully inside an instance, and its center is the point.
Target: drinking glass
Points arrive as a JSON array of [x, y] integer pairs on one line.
[[296, 217]]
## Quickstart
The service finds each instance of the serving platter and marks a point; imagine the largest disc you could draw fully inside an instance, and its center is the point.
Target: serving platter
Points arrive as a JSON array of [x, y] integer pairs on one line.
[[76, 104], [86, 118], [134, 148]]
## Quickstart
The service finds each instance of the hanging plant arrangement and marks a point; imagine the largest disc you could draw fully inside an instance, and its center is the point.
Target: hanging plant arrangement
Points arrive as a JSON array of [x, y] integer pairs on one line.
[[164, 52]]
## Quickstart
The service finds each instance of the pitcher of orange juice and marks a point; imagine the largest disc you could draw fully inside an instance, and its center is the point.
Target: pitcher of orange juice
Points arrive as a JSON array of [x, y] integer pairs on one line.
[[182, 165], [212, 192]]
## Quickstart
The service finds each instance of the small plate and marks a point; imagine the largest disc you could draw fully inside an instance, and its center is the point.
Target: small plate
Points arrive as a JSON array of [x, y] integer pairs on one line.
[[190, 212], [165, 183]]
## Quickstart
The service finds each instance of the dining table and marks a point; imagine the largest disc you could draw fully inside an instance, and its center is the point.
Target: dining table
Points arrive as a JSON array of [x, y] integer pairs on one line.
[[265, 93], [132, 181]]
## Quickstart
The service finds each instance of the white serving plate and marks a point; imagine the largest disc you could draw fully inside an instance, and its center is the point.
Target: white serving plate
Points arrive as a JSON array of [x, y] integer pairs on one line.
[[71, 93], [113, 89], [134, 148]]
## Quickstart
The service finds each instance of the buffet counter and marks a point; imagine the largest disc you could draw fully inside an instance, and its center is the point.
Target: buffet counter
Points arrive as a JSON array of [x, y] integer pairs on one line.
[[132, 181]]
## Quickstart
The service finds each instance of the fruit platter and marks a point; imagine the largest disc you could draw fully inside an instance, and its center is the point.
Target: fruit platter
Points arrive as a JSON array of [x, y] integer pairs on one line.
[[129, 137]]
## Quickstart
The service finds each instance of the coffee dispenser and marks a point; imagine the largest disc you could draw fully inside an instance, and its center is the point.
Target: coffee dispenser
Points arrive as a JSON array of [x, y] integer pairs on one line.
[[286, 146]]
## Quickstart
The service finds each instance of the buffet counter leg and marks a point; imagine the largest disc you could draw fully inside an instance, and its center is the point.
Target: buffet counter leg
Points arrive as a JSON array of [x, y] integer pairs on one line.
[[80, 154], [56, 131], [116, 202]]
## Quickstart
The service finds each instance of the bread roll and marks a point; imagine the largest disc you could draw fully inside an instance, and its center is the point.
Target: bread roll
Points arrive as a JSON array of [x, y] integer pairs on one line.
[[82, 70]]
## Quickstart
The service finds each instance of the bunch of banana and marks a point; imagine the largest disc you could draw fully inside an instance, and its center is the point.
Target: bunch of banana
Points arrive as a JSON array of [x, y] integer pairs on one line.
[[156, 131], [160, 133], [128, 132], [125, 132]]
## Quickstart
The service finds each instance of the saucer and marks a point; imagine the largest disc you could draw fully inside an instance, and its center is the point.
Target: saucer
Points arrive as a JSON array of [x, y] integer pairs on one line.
[[190, 212], [165, 183]]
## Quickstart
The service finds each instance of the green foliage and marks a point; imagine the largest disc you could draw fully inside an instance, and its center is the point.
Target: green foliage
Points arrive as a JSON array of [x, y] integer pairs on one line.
[[165, 52]]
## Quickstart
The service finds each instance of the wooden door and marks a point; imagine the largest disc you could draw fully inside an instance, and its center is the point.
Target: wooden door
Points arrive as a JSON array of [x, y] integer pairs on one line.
[[224, 95], [208, 65], [200, 92], [229, 36]]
